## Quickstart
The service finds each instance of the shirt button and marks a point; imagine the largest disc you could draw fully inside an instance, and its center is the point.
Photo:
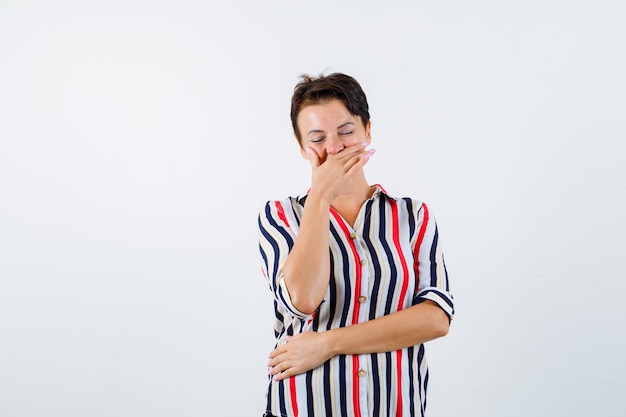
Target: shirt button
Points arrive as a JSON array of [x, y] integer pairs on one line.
[[361, 372], [352, 236], [362, 261], [362, 299]]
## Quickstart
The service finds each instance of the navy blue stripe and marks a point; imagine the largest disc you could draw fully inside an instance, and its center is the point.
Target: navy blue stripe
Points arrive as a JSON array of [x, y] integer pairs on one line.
[[343, 387], [376, 380], [281, 397], [327, 397], [425, 389], [279, 317], [388, 380], [315, 324], [273, 271], [268, 403], [420, 358], [410, 353], [393, 272], [346, 277], [332, 295], [309, 394], [289, 330], [445, 270], [409, 208], [280, 229], [264, 257], [295, 215], [284, 301], [375, 262], [444, 296], [433, 259]]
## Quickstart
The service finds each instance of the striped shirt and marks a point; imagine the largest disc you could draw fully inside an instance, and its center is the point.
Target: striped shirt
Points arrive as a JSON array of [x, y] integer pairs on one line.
[[389, 260]]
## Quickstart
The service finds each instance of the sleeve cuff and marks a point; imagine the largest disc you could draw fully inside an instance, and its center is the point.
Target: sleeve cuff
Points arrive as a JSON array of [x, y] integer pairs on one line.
[[283, 297], [443, 299]]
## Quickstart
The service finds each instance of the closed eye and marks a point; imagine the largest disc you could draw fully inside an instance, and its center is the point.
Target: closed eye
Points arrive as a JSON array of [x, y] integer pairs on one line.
[[317, 139], [349, 132]]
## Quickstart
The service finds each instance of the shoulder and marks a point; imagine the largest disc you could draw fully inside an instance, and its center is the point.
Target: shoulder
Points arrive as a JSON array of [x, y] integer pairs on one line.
[[410, 203], [415, 208], [281, 212], [277, 205]]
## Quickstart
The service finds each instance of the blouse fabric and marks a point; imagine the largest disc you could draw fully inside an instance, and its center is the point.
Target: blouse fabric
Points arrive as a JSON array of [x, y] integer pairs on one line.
[[390, 260]]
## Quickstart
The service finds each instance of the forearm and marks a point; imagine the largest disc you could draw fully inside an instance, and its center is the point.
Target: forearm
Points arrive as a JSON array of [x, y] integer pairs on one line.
[[415, 325], [307, 268]]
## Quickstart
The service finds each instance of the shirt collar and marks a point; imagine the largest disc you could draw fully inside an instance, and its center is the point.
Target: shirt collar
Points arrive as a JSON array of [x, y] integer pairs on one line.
[[379, 190]]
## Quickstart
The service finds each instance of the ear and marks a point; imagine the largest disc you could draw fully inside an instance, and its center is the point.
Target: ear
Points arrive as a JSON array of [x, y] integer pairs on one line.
[[368, 132]]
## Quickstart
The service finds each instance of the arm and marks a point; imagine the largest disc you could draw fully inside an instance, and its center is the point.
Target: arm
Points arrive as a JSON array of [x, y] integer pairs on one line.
[[410, 327], [428, 318], [415, 325], [306, 270]]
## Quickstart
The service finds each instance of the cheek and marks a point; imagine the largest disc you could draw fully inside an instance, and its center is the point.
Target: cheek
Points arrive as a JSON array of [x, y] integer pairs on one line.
[[357, 138]]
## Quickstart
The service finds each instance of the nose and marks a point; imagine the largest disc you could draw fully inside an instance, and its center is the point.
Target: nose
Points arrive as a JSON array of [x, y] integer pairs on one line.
[[334, 144]]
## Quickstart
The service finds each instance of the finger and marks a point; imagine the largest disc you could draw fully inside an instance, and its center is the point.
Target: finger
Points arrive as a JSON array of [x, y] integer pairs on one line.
[[279, 367], [276, 352], [285, 374], [360, 162], [350, 151], [314, 158], [276, 360]]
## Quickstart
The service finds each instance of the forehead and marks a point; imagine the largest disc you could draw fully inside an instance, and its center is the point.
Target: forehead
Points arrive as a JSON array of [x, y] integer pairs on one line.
[[327, 112]]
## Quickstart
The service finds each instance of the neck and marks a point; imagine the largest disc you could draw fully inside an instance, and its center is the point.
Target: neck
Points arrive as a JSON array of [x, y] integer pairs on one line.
[[355, 195]]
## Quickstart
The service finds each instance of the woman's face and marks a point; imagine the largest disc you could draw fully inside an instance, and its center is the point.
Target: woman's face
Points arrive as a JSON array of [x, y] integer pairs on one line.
[[328, 127]]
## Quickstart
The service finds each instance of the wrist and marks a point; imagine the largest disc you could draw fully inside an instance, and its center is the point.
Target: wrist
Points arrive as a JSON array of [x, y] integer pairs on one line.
[[319, 199], [331, 342]]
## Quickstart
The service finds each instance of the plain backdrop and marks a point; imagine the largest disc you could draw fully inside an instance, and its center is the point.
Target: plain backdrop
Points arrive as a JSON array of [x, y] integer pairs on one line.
[[140, 139]]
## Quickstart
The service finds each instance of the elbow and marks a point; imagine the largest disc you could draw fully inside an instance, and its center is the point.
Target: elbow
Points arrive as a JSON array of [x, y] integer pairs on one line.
[[442, 326], [440, 322], [305, 305]]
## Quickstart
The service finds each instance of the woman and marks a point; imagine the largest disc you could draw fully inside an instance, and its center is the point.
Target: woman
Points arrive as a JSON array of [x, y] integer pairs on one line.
[[358, 276]]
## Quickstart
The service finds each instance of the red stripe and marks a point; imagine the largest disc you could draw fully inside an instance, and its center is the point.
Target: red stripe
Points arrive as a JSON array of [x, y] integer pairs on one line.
[[292, 390], [396, 240], [418, 244], [312, 318], [357, 308], [381, 188], [420, 239], [281, 213], [405, 282]]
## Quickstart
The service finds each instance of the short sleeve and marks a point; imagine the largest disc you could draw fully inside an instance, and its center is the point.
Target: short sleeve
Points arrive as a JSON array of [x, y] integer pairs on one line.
[[428, 263], [277, 235]]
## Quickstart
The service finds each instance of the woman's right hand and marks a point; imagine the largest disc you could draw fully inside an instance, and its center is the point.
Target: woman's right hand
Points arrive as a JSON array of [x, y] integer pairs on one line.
[[330, 178]]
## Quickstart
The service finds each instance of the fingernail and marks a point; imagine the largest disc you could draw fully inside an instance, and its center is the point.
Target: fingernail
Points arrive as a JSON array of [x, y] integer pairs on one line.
[[364, 144]]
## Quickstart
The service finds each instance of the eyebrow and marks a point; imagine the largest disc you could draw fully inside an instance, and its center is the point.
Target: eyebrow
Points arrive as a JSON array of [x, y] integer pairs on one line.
[[338, 127], [344, 125]]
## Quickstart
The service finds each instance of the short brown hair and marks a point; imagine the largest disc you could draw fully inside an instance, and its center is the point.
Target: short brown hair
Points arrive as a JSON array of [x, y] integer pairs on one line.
[[311, 90]]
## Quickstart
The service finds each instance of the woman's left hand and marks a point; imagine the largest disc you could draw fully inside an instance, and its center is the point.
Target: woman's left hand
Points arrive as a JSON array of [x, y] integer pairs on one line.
[[299, 354]]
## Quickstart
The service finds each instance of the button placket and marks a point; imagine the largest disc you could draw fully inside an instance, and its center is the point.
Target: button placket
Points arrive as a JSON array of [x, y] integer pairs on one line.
[[365, 281]]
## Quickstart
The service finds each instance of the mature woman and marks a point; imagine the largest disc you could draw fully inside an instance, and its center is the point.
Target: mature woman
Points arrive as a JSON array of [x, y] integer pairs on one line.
[[358, 275]]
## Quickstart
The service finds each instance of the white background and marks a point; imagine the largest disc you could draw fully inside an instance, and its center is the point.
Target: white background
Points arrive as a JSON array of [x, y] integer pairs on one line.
[[139, 140]]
